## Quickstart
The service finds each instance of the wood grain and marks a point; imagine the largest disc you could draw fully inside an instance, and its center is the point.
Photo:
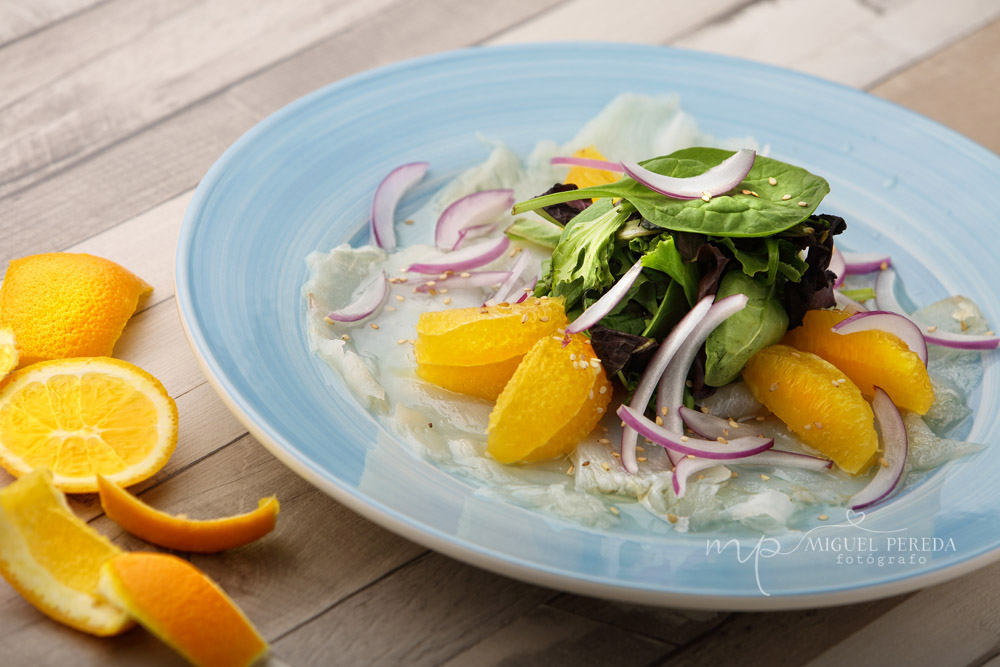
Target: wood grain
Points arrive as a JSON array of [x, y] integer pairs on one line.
[[20, 18]]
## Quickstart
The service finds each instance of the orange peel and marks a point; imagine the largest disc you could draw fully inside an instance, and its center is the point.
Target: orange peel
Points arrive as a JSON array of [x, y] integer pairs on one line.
[[179, 532]]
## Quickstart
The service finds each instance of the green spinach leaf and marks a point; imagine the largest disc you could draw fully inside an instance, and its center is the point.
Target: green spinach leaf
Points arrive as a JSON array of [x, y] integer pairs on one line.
[[666, 258], [763, 322]]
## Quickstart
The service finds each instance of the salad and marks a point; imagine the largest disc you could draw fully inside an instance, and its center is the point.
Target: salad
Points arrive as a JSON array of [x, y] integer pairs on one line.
[[677, 337]]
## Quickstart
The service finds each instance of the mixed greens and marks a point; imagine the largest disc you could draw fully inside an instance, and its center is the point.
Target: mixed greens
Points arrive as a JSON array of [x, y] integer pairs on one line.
[[762, 239]]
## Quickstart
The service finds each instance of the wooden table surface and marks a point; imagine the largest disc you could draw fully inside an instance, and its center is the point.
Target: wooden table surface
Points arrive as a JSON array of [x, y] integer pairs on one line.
[[113, 110]]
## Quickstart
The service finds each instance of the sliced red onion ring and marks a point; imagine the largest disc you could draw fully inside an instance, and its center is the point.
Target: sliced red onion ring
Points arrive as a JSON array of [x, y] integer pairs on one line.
[[473, 232], [471, 280], [514, 282], [670, 394], [709, 449], [588, 162], [607, 302], [848, 304], [387, 196], [469, 257], [894, 323], [478, 211], [838, 266], [647, 383], [528, 289], [712, 427], [894, 439], [772, 457], [885, 299], [718, 180], [371, 297], [865, 262]]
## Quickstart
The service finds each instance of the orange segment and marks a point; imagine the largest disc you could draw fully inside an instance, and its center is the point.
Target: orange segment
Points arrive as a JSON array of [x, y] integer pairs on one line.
[[816, 401], [486, 381], [84, 417], [9, 356], [547, 406], [584, 177], [53, 558], [181, 606], [181, 533], [868, 358], [486, 335], [63, 305]]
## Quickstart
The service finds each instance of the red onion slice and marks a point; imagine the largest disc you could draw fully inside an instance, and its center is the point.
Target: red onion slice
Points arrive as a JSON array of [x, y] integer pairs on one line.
[[513, 285], [894, 323], [647, 383], [865, 262], [712, 427], [718, 180], [478, 211], [848, 304], [838, 267], [473, 232], [370, 298], [894, 439], [468, 281], [469, 257], [885, 299], [772, 457], [588, 162], [387, 196], [528, 289], [709, 449], [607, 302]]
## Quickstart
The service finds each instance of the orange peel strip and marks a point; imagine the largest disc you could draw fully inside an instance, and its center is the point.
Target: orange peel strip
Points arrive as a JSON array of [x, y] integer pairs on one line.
[[183, 534]]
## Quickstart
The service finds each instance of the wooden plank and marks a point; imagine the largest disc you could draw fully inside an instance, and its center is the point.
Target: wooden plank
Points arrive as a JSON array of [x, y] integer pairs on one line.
[[425, 613], [170, 158], [780, 638], [955, 623], [676, 626], [71, 42], [635, 21], [949, 88], [546, 637], [176, 63], [154, 340], [19, 18]]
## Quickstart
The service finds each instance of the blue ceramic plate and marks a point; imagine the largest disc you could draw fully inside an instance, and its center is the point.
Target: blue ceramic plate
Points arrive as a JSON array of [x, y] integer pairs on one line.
[[303, 179]]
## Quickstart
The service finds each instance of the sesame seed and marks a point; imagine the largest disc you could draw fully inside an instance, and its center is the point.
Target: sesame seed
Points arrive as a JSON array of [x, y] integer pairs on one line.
[[641, 459], [616, 455], [543, 318], [443, 276], [373, 325], [733, 473], [447, 301], [932, 329], [586, 463], [774, 387], [691, 456], [704, 410], [965, 325], [764, 477], [524, 318], [604, 389], [823, 517], [431, 283], [400, 298], [413, 341], [688, 384], [795, 354], [746, 192], [391, 309], [760, 418], [684, 438], [605, 466], [705, 196], [671, 517], [591, 396], [722, 440], [432, 292], [402, 279], [664, 411], [569, 470], [803, 204], [604, 441], [408, 221], [659, 420], [345, 337], [818, 424], [772, 180], [835, 383], [600, 411], [725, 432], [614, 510], [623, 424], [883, 266], [595, 363], [733, 423], [443, 291], [755, 194], [400, 341], [572, 357], [640, 448], [701, 477], [882, 462], [786, 197], [807, 426], [465, 274]]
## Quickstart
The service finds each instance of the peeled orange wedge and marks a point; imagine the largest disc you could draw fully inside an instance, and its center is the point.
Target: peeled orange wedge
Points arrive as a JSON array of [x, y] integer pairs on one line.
[[485, 381], [584, 177], [84, 417], [184, 608], [555, 398], [53, 558], [62, 305], [181, 533], [816, 401]]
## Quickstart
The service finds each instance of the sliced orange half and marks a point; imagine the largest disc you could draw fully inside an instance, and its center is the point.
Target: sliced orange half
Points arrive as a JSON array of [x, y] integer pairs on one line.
[[184, 608], [181, 533]]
